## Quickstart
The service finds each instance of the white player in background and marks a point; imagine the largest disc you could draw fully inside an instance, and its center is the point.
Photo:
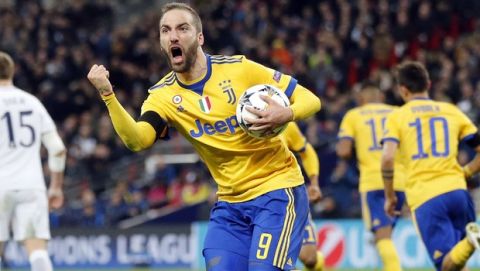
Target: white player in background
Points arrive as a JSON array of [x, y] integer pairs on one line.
[[24, 202]]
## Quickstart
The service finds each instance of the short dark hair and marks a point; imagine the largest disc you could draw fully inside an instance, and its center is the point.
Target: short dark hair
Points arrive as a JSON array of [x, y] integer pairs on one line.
[[6, 66], [369, 85], [197, 22], [413, 76]]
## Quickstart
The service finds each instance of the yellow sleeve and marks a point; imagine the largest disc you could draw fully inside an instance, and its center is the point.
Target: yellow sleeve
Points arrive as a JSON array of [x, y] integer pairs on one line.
[[391, 131], [293, 136], [296, 142], [259, 74], [310, 161], [303, 102], [347, 127], [135, 135]]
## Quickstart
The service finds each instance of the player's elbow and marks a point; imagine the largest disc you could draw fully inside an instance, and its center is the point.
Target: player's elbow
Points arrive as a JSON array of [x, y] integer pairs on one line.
[[61, 153], [134, 146], [139, 141], [137, 144], [316, 103], [343, 152], [57, 160], [388, 161]]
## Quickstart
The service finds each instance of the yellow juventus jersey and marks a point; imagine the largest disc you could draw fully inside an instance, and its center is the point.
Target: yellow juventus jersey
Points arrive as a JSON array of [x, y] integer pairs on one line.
[[204, 112], [428, 133], [293, 138], [364, 126]]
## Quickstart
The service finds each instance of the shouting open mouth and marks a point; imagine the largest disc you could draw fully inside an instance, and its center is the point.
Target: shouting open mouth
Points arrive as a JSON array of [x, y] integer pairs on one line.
[[177, 55]]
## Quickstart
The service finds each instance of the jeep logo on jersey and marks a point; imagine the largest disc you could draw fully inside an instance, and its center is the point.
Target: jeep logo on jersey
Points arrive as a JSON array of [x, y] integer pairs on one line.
[[221, 126]]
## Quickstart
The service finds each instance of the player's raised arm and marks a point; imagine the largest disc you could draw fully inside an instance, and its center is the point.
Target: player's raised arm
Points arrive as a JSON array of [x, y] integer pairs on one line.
[[135, 135]]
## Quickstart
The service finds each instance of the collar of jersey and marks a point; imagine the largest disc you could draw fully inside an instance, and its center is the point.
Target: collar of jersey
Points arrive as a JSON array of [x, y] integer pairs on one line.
[[421, 98], [198, 86]]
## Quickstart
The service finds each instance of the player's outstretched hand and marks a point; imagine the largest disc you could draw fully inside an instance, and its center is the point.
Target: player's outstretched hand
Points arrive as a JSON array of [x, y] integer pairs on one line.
[[314, 193], [55, 198], [98, 76], [274, 116], [390, 203]]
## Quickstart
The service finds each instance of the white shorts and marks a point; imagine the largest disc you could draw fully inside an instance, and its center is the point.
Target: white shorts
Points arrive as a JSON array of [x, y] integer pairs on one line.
[[26, 211]]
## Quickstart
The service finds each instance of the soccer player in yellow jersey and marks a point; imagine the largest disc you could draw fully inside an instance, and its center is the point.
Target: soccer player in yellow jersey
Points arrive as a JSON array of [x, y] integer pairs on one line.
[[262, 208], [426, 133], [362, 127], [296, 142]]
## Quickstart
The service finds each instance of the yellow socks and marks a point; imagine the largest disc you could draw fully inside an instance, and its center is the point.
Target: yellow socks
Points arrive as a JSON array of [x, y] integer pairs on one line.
[[388, 254], [319, 265], [461, 252], [320, 262]]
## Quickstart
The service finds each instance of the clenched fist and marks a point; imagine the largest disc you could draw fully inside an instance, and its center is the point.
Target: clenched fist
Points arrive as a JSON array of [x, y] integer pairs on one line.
[[98, 76]]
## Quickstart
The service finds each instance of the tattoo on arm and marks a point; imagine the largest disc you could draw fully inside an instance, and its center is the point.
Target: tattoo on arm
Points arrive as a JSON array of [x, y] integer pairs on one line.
[[387, 174]]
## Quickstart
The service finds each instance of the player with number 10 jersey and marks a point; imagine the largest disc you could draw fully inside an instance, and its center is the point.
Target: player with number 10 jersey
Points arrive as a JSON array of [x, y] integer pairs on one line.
[[429, 133], [426, 134]]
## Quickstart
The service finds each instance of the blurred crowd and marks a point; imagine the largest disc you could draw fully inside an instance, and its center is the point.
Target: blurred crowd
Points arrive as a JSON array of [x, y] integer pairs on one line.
[[329, 46]]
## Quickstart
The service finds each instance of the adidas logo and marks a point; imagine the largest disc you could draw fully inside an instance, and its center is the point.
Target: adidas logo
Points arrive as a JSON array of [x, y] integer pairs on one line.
[[290, 262], [437, 254]]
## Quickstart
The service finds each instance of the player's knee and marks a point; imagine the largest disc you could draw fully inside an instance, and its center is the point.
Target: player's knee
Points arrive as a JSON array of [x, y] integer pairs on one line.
[[308, 256], [310, 260], [40, 261], [383, 233]]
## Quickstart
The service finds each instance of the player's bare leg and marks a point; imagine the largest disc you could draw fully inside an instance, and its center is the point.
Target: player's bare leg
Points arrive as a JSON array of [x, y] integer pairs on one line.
[[38, 254], [386, 249], [311, 258]]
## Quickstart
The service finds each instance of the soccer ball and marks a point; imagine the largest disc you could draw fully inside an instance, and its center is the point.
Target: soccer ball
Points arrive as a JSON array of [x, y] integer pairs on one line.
[[251, 97]]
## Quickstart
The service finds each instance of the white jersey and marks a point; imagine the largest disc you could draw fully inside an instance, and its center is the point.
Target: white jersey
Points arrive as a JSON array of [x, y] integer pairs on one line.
[[23, 121]]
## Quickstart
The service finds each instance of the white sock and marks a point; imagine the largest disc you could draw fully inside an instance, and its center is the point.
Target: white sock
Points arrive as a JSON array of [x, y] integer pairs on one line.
[[40, 261]]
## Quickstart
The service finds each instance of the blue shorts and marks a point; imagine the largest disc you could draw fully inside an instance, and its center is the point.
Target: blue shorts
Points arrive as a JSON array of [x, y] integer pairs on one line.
[[310, 237], [441, 222], [265, 233], [373, 211]]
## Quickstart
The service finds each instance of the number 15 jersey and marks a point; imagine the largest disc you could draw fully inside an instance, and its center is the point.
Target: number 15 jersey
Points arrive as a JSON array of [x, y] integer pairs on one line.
[[428, 133], [23, 121], [364, 126]]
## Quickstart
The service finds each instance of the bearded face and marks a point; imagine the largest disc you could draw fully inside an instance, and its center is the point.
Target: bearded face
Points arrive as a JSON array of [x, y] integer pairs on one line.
[[181, 59], [179, 40]]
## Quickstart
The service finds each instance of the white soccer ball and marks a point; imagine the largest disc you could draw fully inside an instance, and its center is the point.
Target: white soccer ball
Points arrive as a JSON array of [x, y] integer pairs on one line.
[[251, 97]]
